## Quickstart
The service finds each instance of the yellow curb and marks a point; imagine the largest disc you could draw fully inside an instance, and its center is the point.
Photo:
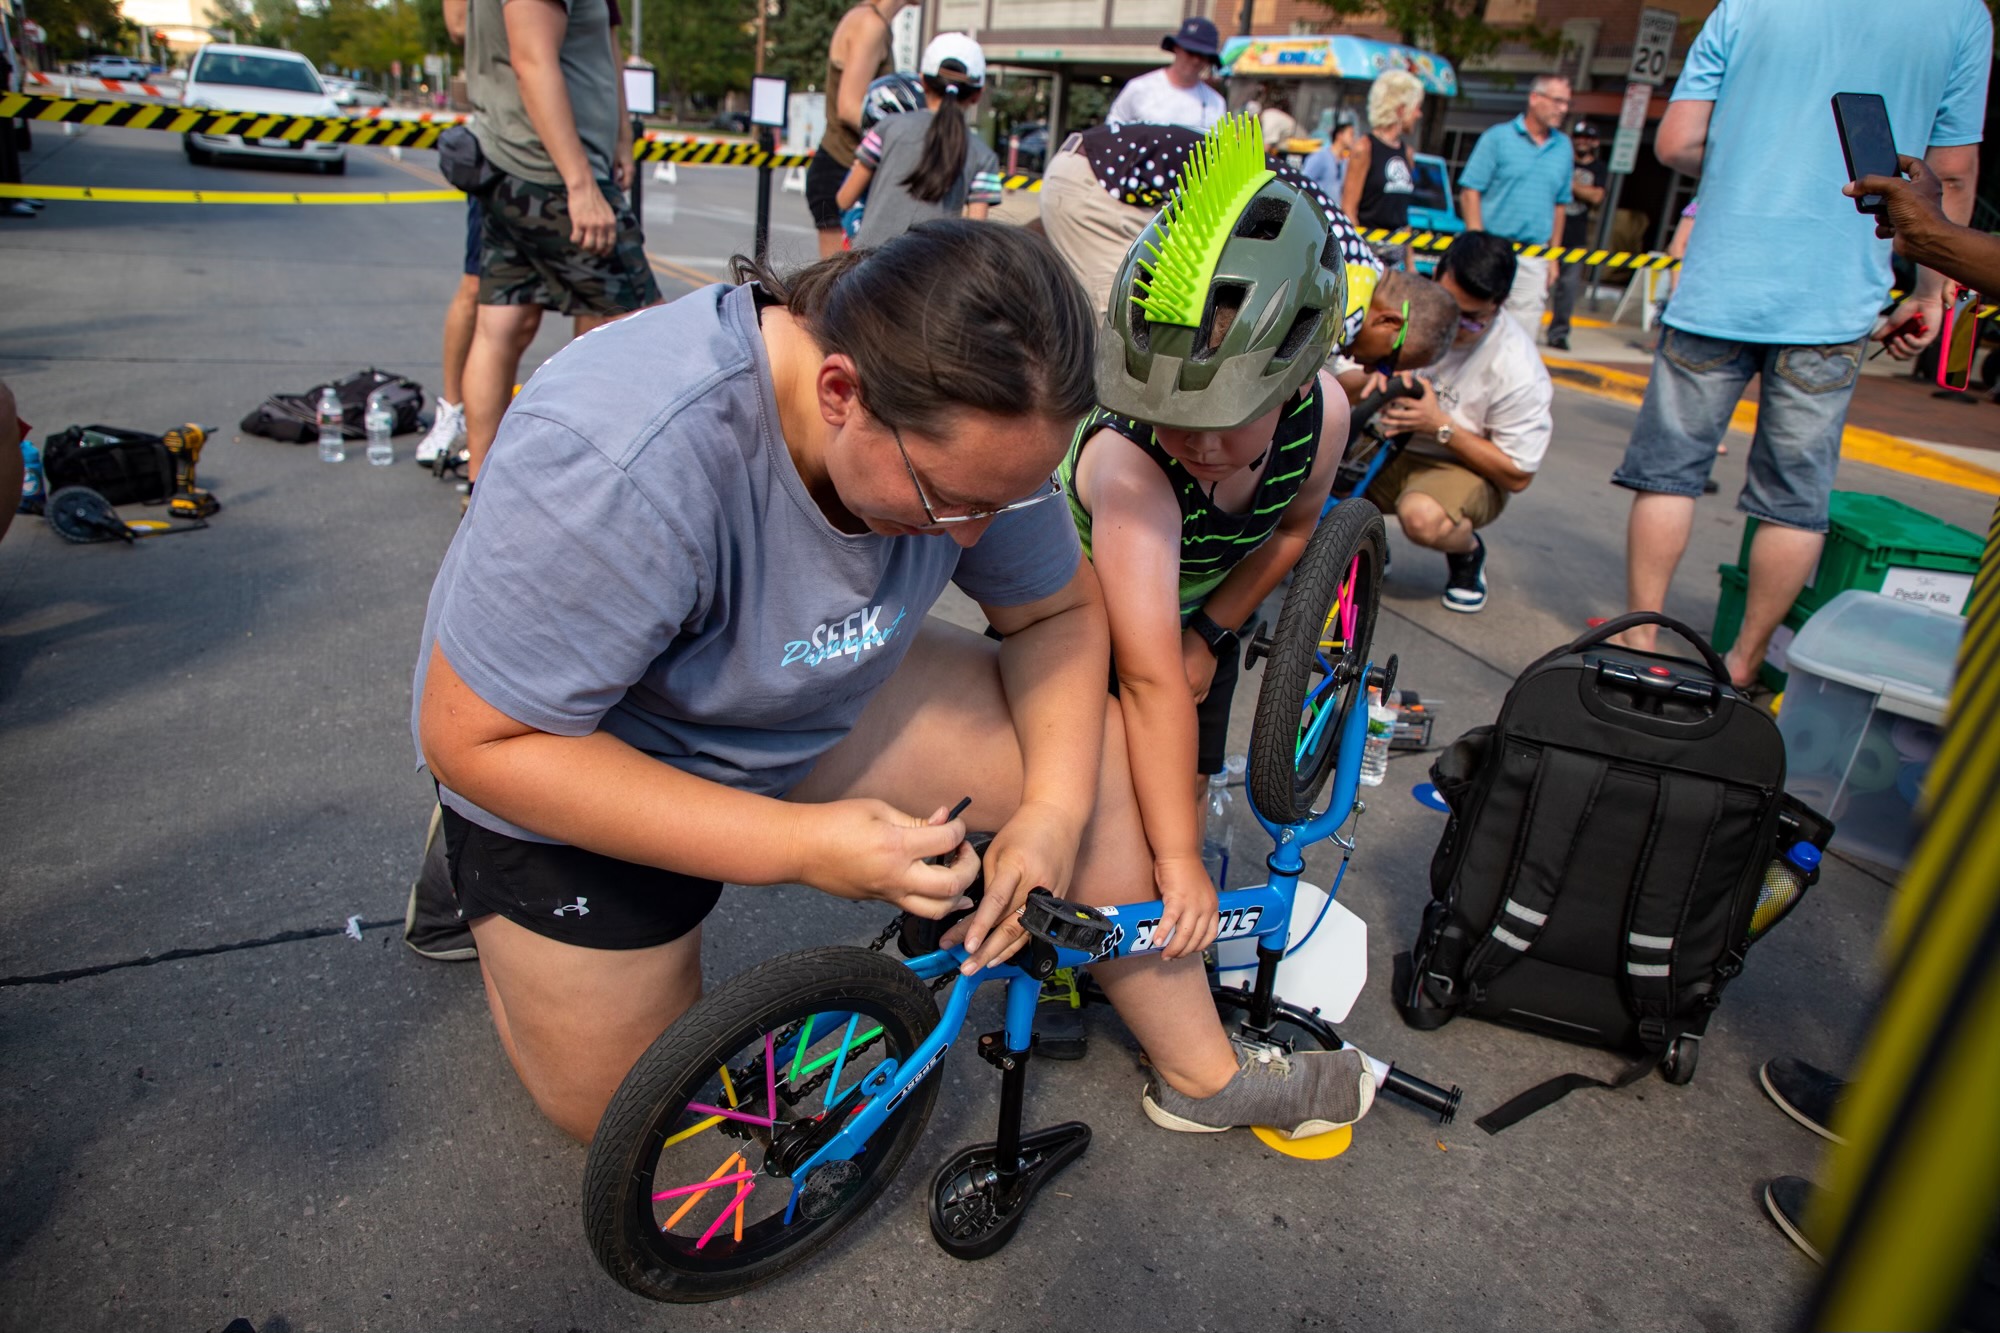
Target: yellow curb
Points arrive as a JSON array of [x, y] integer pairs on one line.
[[1857, 443]]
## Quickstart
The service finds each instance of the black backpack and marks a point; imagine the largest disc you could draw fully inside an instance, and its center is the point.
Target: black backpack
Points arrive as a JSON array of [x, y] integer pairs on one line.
[[1608, 839], [294, 417]]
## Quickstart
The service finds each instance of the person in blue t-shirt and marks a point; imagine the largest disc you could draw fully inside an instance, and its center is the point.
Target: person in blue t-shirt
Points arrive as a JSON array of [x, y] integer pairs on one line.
[[1782, 280], [1516, 184]]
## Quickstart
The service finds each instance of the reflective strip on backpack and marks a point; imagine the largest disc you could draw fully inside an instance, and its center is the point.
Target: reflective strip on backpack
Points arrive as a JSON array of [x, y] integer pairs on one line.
[[1647, 969], [1650, 941], [1510, 939], [1528, 915]]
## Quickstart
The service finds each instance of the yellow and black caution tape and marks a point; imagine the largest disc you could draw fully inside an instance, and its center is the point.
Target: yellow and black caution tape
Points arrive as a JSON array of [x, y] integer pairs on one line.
[[714, 153], [94, 194], [343, 129], [195, 120]]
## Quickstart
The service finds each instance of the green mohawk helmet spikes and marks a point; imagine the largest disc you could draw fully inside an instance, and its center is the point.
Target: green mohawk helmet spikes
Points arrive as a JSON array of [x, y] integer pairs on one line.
[[1229, 300], [1220, 178]]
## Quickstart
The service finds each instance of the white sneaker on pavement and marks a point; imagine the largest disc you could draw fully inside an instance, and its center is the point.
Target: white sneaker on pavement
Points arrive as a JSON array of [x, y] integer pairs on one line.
[[447, 433]]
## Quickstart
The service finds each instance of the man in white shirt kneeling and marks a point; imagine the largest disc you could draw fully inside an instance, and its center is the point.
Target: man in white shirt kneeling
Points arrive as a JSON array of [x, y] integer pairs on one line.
[[1479, 430]]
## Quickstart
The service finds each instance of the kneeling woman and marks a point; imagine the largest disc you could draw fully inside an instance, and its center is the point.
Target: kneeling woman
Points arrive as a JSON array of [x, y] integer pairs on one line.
[[680, 640]]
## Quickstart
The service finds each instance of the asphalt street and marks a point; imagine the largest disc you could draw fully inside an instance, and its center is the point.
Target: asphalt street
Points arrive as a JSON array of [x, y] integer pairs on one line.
[[204, 745]]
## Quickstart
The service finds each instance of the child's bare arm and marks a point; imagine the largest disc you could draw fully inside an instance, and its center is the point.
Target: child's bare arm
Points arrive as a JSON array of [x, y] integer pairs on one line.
[[1135, 545]]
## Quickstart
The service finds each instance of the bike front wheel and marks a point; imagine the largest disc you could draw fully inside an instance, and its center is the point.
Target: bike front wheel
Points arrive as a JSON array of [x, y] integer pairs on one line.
[[687, 1194], [1319, 661]]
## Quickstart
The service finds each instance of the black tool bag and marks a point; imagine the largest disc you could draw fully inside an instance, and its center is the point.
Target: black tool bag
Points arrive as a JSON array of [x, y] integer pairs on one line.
[[124, 466], [1608, 838], [294, 417]]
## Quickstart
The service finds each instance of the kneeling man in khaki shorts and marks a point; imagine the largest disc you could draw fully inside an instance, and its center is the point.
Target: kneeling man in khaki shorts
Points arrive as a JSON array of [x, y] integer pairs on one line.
[[1479, 430]]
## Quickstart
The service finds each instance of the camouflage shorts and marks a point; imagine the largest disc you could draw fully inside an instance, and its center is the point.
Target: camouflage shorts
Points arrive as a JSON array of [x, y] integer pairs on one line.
[[527, 258]]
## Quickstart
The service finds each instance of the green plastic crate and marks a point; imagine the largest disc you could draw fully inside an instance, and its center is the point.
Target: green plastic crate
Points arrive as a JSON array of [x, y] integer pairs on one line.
[[1871, 535], [1729, 606]]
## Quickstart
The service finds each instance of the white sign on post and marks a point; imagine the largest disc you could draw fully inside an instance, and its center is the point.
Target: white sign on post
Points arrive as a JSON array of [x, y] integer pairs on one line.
[[1631, 127], [903, 34], [1653, 45]]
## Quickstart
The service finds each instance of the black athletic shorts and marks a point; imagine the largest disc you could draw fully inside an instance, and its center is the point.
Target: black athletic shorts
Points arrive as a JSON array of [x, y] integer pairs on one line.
[[824, 177], [570, 895]]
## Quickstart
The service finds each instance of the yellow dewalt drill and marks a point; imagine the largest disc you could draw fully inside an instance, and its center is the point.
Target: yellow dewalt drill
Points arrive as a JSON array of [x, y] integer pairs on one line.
[[189, 500]]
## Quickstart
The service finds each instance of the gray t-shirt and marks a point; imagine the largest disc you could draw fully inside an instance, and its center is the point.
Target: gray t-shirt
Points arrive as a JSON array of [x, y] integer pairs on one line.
[[642, 558], [589, 72], [894, 149]]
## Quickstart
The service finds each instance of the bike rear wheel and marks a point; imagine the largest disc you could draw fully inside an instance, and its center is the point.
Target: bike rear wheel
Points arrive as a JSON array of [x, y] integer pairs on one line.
[[682, 1198], [1319, 661]]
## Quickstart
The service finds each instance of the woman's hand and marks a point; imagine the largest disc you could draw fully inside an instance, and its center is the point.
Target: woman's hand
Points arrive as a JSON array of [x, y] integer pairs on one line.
[[1188, 916], [867, 850], [1036, 849]]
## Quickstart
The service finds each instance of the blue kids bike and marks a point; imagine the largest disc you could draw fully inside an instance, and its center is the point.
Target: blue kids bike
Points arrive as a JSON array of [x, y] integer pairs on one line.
[[779, 1107]]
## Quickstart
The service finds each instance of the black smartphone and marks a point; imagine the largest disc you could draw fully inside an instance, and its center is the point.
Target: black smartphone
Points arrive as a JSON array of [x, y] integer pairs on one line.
[[1865, 141]]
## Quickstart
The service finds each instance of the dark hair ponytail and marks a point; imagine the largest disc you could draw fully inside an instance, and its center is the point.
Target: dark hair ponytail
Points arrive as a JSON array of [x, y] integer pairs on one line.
[[943, 161], [951, 316]]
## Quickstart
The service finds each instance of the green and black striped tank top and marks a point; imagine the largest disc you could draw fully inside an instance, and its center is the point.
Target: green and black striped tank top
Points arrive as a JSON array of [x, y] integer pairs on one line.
[[1213, 541]]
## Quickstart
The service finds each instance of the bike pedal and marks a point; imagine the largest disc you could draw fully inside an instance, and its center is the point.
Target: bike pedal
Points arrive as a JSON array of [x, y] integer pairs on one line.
[[974, 1213]]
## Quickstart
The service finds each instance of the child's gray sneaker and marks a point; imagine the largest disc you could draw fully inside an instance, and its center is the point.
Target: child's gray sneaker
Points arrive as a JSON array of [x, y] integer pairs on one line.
[[1298, 1095]]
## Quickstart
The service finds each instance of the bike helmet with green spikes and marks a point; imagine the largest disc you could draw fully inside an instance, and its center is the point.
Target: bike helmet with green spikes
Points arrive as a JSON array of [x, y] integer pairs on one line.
[[1229, 300]]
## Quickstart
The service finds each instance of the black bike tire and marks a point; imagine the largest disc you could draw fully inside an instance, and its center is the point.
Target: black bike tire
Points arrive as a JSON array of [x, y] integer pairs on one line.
[[1281, 792], [667, 1074]]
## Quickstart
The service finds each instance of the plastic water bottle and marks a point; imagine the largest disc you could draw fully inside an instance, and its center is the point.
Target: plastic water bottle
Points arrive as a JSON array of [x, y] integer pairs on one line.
[[332, 444], [381, 424], [1215, 837], [1375, 750], [1785, 880], [32, 490]]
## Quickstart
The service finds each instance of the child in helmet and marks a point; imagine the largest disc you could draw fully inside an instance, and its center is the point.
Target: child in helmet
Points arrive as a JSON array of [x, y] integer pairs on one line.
[[1197, 481], [930, 163]]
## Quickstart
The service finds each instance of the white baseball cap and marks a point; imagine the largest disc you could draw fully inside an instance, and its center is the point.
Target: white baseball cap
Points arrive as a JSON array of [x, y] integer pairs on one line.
[[959, 49]]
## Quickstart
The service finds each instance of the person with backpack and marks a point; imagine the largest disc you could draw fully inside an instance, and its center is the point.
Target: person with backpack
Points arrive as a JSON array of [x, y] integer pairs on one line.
[[930, 164]]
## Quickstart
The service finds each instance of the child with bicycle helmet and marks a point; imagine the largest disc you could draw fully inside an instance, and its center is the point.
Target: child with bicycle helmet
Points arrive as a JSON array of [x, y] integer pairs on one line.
[[1194, 487], [930, 164]]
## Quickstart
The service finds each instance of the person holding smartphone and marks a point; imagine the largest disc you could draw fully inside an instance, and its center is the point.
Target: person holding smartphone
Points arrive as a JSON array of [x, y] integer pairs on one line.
[[1779, 286]]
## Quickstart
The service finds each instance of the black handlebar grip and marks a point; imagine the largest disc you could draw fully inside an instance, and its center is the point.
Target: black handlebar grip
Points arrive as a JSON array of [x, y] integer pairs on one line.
[[1440, 1102]]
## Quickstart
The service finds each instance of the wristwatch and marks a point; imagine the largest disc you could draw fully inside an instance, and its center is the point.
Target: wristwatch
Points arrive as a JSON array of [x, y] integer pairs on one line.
[[1444, 434], [1218, 639]]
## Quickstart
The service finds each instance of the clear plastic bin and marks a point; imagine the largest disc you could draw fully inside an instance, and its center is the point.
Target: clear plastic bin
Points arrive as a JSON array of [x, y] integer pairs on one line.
[[1870, 679]]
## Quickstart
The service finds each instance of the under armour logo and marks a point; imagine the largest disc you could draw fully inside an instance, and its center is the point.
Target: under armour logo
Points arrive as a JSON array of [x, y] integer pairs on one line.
[[576, 908]]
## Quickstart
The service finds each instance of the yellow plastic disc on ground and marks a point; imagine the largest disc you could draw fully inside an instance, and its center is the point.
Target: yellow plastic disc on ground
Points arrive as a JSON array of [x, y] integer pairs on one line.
[[1317, 1148]]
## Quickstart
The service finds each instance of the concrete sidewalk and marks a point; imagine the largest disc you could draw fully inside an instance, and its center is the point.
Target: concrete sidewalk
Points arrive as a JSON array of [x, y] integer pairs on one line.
[[1895, 421]]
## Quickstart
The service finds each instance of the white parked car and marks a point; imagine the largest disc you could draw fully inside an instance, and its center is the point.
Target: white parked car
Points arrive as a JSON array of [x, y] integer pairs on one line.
[[259, 78], [351, 93], [123, 68]]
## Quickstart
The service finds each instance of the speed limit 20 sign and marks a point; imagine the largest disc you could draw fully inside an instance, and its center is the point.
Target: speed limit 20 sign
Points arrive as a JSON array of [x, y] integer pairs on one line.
[[1653, 45]]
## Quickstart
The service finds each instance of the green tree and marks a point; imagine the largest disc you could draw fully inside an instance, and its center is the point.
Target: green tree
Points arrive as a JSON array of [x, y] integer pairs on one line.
[[702, 48], [800, 34], [372, 36], [62, 19]]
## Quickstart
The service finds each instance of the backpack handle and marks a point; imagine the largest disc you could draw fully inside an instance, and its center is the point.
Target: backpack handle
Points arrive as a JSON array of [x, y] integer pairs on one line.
[[1590, 638]]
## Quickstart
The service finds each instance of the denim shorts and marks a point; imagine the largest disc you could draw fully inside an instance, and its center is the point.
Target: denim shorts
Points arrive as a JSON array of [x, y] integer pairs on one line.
[[1801, 410]]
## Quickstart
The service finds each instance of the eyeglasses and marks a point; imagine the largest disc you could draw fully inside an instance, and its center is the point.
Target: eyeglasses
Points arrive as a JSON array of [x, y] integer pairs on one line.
[[1053, 489], [1395, 358], [1473, 323]]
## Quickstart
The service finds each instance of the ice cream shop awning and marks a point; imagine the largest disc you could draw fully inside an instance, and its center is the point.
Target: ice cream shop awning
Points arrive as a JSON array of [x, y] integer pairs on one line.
[[1335, 58]]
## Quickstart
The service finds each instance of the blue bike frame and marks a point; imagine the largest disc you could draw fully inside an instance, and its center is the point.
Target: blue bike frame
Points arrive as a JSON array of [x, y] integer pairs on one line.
[[1262, 912]]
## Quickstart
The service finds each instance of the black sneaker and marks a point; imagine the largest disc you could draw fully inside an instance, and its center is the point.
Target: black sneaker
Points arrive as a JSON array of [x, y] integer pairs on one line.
[[1465, 589], [1559, 341], [1803, 1092], [1786, 1200]]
